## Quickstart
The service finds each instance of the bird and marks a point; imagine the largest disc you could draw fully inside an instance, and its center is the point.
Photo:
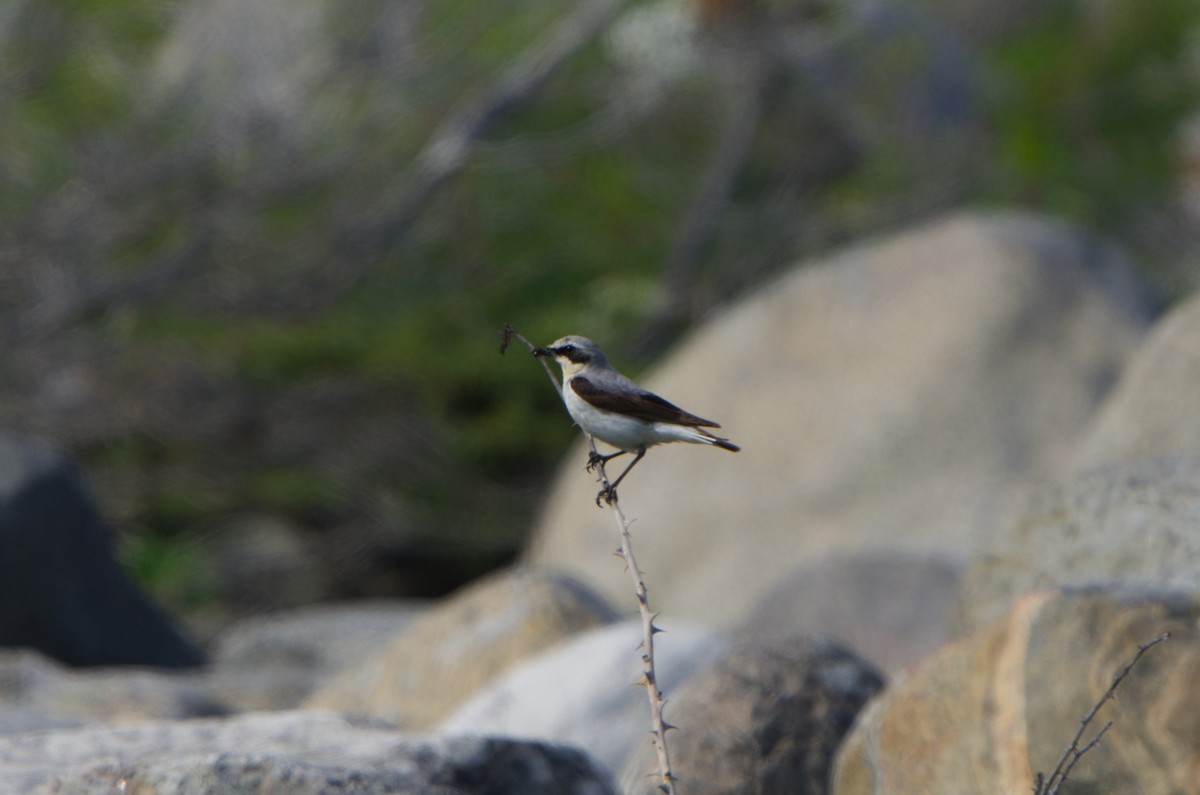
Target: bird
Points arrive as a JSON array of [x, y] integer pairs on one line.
[[615, 410]]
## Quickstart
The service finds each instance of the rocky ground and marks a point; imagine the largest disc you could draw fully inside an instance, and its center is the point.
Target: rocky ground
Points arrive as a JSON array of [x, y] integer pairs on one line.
[[967, 493]]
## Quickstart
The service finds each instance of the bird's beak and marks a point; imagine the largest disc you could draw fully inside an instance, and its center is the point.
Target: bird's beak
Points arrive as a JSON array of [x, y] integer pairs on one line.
[[542, 352]]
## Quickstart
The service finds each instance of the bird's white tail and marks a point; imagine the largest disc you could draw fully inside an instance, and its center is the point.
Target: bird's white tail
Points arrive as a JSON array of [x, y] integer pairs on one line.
[[717, 441]]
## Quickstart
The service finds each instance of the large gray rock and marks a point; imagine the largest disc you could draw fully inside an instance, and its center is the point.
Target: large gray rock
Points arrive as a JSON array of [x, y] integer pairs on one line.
[[579, 692], [278, 660], [1132, 524], [285, 752], [62, 590], [272, 662], [767, 720], [463, 643], [892, 608], [897, 396], [38, 693], [323, 638], [1154, 408]]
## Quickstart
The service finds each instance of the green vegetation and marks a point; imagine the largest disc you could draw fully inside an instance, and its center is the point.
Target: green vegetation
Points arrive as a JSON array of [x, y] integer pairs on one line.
[[173, 571], [388, 382], [1087, 107]]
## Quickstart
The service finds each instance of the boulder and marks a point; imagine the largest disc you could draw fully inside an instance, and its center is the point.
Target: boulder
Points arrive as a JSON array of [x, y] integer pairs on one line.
[[895, 397], [579, 692], [892, 608], [766, 719], [62, 590], [271, 662], [292, 752], [323, 638], [462, 644], [27, 678], [991, 710], [1153, 408], [1132, 524], [277, 660], [39, 693]]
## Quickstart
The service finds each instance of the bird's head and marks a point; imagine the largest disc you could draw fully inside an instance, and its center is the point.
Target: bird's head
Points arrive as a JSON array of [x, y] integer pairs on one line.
[[573, 353]]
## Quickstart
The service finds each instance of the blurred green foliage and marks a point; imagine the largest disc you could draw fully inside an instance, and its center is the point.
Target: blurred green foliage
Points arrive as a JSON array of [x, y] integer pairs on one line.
[[1087, 106], [173, 571], [558, 225]]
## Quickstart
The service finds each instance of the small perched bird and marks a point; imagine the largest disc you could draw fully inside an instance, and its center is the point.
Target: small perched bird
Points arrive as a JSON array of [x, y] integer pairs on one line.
[[617, 411]]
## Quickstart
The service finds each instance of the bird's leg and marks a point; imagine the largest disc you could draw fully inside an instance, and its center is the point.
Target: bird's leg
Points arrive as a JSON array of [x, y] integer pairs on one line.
[[595, 459], [609, 493]]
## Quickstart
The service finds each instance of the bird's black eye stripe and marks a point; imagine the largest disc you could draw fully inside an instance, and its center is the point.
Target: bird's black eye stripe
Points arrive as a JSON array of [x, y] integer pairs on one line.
[[568, 349]]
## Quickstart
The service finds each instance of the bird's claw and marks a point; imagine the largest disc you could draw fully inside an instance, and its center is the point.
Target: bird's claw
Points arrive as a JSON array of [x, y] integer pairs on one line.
[[608, 494], [594, 460]]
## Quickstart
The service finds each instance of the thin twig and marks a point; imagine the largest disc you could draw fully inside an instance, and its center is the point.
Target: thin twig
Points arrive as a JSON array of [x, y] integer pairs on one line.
[[1073, 753], [658, 725]]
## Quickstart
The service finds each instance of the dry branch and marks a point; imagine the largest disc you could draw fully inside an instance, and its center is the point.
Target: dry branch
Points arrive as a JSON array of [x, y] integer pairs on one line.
[[1075, 751]]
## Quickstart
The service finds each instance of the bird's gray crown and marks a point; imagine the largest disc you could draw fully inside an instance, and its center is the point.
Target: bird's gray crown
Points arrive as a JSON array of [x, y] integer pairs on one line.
[[579, 350]]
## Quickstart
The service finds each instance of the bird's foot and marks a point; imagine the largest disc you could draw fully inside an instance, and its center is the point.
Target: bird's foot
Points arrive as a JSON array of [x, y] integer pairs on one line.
[[608, 494], [595, 460]]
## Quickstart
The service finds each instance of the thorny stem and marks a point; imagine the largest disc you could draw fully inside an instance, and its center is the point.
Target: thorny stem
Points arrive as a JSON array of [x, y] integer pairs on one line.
[[649, 679], [1074, 751], [659, 726]]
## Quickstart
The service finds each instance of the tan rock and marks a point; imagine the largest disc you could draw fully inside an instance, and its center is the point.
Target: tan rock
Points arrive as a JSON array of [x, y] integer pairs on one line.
[[448, 653], [991, 710], [894, 397], [1154, 408]]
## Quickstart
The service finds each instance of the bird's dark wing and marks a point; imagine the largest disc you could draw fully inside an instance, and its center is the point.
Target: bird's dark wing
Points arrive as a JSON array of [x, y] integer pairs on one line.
[[641, 404]]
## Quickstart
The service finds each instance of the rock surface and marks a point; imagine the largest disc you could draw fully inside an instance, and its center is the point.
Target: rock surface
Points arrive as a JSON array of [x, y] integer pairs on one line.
[[285, 752], [462, 644], [272, 662], [1132, 524], [322, 637], [37, 693], [1153, 409], [892, 608], [62, 590], [277, 660], [991, 710], [767, 720], [579, 692], [894, 397]]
